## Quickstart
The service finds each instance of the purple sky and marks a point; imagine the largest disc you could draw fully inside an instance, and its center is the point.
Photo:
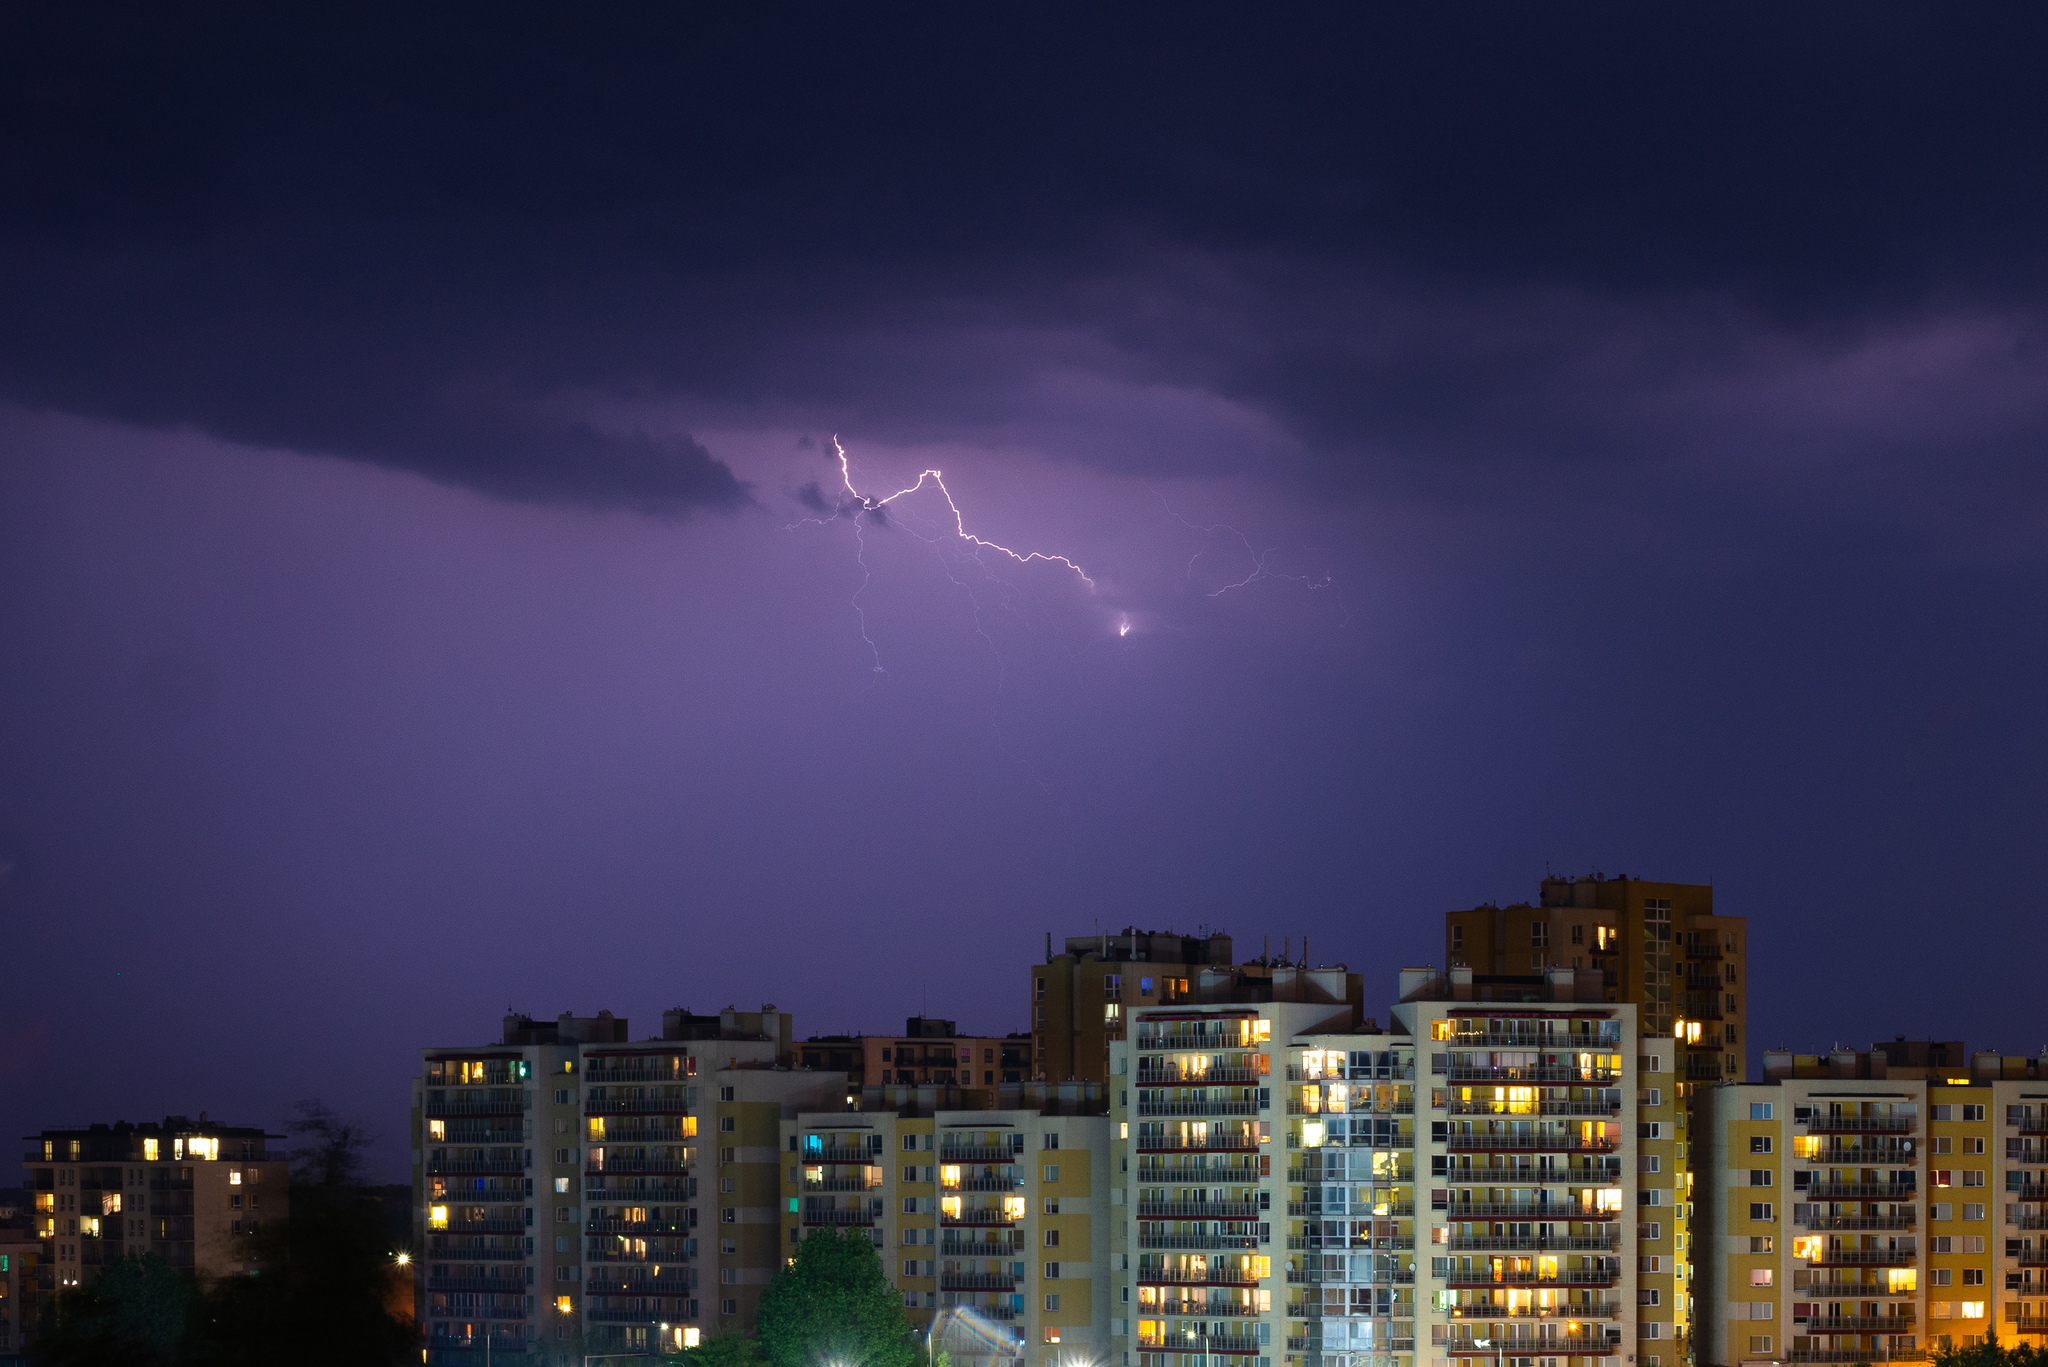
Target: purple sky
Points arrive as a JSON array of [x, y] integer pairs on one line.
[[408, 609]]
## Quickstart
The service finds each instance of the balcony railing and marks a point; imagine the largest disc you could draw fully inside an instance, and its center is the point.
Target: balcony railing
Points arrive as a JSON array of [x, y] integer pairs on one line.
[[980, 1249], [1540, 1143], [502, 1225], [1860, 1191], [1198, 1241], [437, 1109], [1847, 1222], [636, 1226], [1239, 1106], [1562, 1042], [1480, 1276], [1171, 1143], [1855, 1124], [1225, 1276], [841, 1184], [1860, 1158], [638, 1105], [1505, 1210], [1526, 1073], [1203, 1309], [611, 1164], [1561, 1243], [977, 1281], [2027, 1326], [598, 1077], [641, 1286], [988, 1153], [841, 1155], [977, 1218], [840, 1217], [1579, 1310], [477, 1284], [1198, 1210], [1536, 1108], [1148, 1077], [1389, 1277], [1865, 1257], [468, 1197], [1862, 1324], [437, 1167], [1196, 1343], [985, 1184]]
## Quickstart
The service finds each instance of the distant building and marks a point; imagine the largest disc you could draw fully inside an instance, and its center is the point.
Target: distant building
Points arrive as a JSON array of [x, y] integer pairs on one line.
[[929, 1053], [20, 1257], [581, 1192], [192, 1192], [1660, 946], [1080, 999]]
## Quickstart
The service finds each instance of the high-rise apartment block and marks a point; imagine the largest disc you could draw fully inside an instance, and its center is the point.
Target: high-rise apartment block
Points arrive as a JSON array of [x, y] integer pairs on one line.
[[557, 1182], [1079, 998], [1657, 946], [1866, 1207], [1472, 1181], [192, 1192], [20, 1317], [994, 1223]]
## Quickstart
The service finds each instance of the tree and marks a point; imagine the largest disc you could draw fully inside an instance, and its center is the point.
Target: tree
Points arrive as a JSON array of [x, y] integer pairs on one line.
[[834, 1305], [134, 1314], [330, 1159], [1991, 1355]]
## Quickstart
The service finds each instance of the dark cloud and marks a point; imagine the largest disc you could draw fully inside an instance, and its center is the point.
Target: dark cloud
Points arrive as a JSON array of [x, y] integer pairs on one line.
[[812, 497], [1411, 245]]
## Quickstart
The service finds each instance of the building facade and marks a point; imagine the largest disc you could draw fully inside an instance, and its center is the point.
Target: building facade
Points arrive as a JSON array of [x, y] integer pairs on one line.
[[1468, 1183], [1659, 946], [929, 1053], [193, 1192], [993, 1223], [1853, 1209], [20, 1284], [578, 1192], [1078, 998]]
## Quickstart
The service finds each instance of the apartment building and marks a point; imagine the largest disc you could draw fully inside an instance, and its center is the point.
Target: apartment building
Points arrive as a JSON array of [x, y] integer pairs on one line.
[[1658, 946], [929, 1053], [1078, 998], [193, 1192], [556, 1180], [993, 1222], [1873, 1206], [1460, 1184]]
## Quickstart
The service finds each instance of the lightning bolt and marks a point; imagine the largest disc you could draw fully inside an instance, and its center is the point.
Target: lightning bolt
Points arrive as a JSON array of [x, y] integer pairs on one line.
[[857, 505], [1261, 560]]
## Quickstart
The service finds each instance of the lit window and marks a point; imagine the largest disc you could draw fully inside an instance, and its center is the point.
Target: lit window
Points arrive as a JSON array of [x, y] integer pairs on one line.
[[149, 1151], [437, 1217], [564, 1305], [437, 1129]]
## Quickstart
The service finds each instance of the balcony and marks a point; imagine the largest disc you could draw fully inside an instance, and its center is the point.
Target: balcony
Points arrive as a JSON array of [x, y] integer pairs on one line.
[[1865, 1257], [1504, 1107], [993, 1153], [620, 1256], [1859, 1124], [468, 1197], [501, 1225], [1389, 1277], [1192, 1108], [1530, 1143], [863, 1156], [1703, 1067], [611, 1164], [1198, 1242], [1903, 1155], [840, 1217], [638, 1105], [1703, 949], [1506, 1073], [622, 1317], [1487, 1277], [595, 1076], [984, 1184], [1840, 1290], [1561, 1243], [1559, 1043], [981, 1249], [977, 1281], [1198, 1210], [842, 1184], [1847, 1222], [1862, 1324], [1215, 1077], [2031, 1326], [1503, 1210], [1859, 1191], [2027, 1193], [2032, 1124], [636, 1226], [1225, 1276], [988, 1312], [980, 1218], [479, 1284], [674, 1284], [511, 1106], [1586, 1310], [1201, 1309], [1196, 1343], [1578, 1345], [1215, 1143], [438, 1167]]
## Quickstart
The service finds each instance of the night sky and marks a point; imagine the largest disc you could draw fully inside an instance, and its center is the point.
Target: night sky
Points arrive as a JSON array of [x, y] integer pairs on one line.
[[1493, 437]]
